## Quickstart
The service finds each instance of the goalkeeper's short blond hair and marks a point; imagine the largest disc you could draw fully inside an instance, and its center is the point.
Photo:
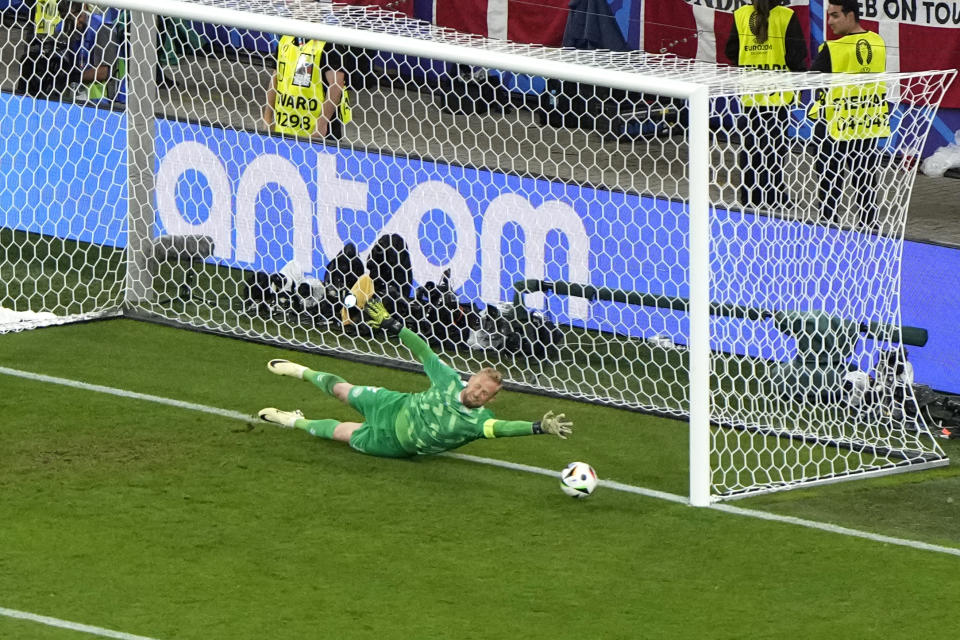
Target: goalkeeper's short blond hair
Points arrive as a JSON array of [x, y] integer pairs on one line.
[[491, 373]]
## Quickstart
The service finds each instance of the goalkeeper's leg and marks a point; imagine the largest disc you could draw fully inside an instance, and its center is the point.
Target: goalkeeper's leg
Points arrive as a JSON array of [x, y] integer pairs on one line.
[[329, 429], [329, 382], [366, 438]]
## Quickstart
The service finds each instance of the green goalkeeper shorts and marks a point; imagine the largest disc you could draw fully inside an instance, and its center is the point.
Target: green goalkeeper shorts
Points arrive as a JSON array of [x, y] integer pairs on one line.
[[377, 436]]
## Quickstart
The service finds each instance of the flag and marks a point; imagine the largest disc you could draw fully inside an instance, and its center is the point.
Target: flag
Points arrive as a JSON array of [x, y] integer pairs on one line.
[[700, 28], [396, 6], [527, 21], [920, 36]]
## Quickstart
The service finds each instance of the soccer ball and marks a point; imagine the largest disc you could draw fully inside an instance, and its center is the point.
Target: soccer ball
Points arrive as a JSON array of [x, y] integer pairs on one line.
[[578, 480], [856, 384]]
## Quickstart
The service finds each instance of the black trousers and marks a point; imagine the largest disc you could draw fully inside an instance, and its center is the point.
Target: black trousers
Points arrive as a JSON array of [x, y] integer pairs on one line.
[[847, 165], [48, 69], [763, 156]]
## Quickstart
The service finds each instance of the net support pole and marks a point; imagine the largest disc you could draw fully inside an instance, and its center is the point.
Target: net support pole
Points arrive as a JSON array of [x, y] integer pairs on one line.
[[699, 347], [141, 154]]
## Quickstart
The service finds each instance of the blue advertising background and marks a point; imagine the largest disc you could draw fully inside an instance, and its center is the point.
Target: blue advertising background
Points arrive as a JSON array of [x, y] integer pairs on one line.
[[66, 177], [63, 170]]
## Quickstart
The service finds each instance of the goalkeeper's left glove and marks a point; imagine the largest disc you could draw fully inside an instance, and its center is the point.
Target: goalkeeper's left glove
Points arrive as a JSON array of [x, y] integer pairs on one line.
[[379, 318], [555, 425]]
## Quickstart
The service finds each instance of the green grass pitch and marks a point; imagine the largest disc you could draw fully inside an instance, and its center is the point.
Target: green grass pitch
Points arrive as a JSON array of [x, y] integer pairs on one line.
[[172, 523]]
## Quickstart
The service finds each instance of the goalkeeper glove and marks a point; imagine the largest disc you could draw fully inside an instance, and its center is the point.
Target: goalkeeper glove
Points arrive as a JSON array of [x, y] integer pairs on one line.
[[379, 318], [554, 425]]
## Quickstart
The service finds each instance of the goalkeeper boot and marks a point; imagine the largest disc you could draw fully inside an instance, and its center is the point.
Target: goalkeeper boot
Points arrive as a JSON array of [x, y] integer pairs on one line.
[[286, 368], [285, 419]]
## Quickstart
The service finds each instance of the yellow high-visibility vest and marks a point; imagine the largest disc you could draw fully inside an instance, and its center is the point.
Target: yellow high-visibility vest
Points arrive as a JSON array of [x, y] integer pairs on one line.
[[855, 112], [770, 54], [46, 17], [300, 95]]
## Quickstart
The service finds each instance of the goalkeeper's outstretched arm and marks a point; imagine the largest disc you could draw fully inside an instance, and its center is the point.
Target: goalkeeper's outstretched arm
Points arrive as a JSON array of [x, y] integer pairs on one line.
[[379, 318], [555, 425], [421, 350], [439, 372]]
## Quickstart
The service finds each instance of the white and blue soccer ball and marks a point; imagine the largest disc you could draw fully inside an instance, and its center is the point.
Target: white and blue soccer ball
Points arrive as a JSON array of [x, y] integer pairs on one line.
[[856, 384], [578, 480]]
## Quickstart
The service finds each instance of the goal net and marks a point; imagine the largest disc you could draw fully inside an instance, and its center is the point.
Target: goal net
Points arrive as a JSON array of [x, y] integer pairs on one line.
[[624, 228]]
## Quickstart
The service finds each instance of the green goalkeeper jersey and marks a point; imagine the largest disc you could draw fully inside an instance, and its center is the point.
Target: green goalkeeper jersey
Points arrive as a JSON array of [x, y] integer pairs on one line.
[[436, 420]]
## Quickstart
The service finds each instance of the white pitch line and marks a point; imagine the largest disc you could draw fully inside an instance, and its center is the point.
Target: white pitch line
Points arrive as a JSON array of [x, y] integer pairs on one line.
[[73, 626], [617, 486], [86, 386]]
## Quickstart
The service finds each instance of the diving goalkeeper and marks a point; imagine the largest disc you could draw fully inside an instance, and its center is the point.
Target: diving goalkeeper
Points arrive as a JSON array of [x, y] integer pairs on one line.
[[448, 415]]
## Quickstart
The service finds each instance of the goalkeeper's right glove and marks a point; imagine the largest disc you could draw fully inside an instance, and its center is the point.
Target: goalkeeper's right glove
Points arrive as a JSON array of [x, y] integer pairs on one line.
[[379, 318], [554, 425]]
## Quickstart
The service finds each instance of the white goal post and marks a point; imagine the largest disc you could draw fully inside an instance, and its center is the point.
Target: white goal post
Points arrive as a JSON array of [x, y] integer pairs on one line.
[[617, 227]]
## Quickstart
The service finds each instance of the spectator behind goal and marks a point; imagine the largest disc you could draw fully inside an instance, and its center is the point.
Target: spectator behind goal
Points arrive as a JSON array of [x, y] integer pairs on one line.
[[75, 54], [308, 95], [49, 59], [850, 120], [766, 36]]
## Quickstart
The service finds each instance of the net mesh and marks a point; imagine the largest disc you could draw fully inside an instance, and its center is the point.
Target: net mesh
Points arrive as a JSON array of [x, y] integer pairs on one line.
[[526, 222]]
